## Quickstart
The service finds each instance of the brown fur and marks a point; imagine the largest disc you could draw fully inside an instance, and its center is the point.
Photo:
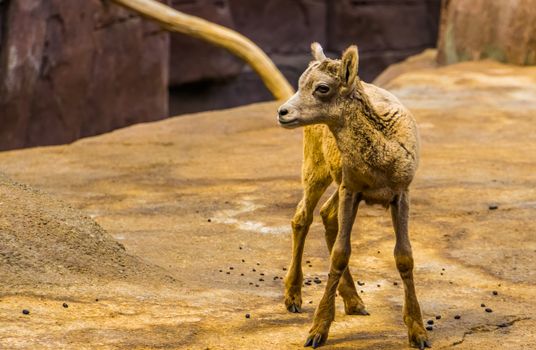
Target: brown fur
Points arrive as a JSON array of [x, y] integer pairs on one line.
[[362, 138]]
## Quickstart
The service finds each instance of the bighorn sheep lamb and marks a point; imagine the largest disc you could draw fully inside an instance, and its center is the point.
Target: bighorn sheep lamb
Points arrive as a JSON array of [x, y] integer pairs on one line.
[[364, 139]]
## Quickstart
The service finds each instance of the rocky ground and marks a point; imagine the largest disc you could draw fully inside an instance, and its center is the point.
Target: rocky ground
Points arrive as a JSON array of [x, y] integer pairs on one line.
[[202, 203]]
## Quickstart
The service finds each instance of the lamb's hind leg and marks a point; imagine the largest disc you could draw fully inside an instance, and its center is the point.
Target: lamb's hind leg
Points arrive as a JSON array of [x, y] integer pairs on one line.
[[353, 305], [404, 262], [315, 185]]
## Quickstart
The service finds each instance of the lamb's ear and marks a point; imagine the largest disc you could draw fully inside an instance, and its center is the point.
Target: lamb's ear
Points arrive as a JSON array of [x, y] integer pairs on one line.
[[317, 52], [349, 65]]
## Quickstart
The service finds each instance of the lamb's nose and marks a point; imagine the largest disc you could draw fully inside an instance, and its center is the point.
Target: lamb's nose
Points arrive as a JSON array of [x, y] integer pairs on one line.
[[283, 111]]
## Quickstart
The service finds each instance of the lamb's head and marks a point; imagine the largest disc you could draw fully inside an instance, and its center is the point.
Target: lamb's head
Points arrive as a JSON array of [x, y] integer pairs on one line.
[[323, 91]]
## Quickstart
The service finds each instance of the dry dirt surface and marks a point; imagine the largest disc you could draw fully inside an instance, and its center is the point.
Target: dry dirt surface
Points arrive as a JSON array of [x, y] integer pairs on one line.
[[202, 205]]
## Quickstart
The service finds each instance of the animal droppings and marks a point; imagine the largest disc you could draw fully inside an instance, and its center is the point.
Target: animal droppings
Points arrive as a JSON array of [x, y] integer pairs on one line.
[[495, 292], [261, 279], [284, 269], [209, 220], [395, 283], [318, 281], [438, 317], [360, 283], [231, 268], [482, 305], [308, 262], [241, 274], [489, 310], [262, 274], [493, 207], [457, 317], [430, 322], [65, 305], [26, 312], [429, 328], [248, 315]]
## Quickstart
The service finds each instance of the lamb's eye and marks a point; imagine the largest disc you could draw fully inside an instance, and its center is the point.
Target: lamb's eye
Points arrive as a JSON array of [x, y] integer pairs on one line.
[[322, 88]]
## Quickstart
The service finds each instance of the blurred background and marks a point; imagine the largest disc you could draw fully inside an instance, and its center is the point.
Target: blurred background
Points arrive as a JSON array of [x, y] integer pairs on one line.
[[71, 69]]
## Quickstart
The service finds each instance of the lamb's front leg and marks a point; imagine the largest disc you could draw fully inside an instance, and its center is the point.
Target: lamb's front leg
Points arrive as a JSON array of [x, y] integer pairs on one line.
[[404, 262], [340, 255]]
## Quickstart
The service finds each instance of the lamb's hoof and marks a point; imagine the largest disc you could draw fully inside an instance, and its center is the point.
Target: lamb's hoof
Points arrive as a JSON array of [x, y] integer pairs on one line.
[[418, 337], [293, 302], [318, 335], [316, 339], [294, 308], [355, 306]]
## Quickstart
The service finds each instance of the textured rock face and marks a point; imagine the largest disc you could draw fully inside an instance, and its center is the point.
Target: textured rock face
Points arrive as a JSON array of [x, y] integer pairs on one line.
[[478, 29], [73, 69]]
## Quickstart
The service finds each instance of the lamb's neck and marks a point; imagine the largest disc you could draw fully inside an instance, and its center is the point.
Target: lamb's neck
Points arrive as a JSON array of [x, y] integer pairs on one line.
[[359, 129]]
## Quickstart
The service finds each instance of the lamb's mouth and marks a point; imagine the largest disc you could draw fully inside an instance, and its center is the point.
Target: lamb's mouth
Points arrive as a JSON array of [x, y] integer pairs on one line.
[[290, 122]]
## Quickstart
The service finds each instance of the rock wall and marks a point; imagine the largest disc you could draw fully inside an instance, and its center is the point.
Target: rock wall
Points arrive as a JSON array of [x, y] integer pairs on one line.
[[478, 29], [77, 68], [70, 69]]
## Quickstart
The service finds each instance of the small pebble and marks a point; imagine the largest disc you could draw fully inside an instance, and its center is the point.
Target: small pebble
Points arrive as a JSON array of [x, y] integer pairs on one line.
[[26, 312], [438, 317], [248, 315], [495, 292], [457, 317], [430, 322], [493, 207], [65, 305], [489, 310], [429, 328]]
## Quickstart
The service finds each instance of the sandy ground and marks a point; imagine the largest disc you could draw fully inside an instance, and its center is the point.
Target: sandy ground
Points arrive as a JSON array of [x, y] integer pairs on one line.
[[202, 204]]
